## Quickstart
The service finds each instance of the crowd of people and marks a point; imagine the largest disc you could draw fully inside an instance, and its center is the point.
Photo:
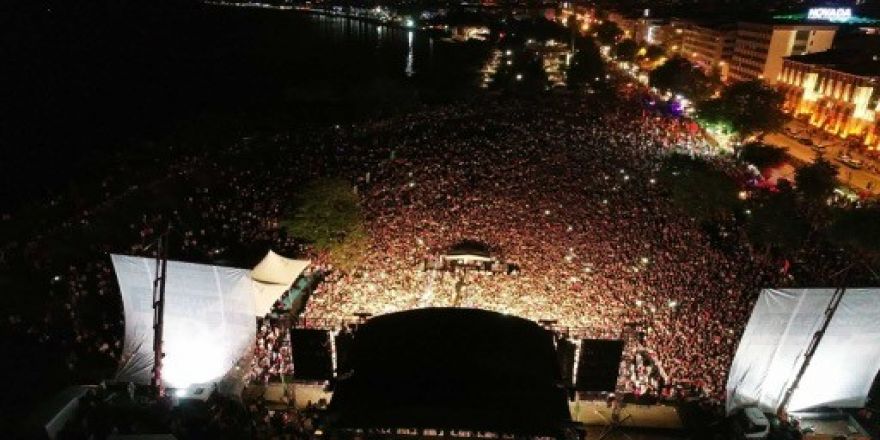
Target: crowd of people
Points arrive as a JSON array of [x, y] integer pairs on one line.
[[566, 189], [569, 194], [272, 357]]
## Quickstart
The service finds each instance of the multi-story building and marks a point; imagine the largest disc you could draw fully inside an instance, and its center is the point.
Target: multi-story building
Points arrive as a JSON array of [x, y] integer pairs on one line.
[[837, 91], [672, 35], [642, 29], [649, 30], [760, 47], [709, 46]]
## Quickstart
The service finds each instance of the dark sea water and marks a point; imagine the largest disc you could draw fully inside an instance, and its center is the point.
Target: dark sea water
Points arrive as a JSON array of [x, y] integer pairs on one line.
[[85, 82]]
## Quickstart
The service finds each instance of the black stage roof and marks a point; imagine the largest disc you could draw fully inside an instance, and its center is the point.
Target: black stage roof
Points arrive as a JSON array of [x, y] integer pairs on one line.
[[451, 368], [470, 247]]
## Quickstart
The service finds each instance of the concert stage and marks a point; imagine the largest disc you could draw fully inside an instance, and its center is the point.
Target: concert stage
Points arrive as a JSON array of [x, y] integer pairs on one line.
[[462, 369]]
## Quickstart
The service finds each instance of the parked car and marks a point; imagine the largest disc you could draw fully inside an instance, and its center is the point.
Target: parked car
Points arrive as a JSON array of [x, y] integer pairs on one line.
[[850, 162], [854, 164]]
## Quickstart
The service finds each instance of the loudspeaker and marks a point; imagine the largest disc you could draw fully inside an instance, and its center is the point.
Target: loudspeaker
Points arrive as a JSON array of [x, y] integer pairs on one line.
[[565, 352], [599, 364], [312, 354], [344, 342]]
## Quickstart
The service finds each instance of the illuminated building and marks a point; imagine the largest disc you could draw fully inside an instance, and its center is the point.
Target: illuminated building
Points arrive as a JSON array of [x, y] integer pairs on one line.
[[709, 46], [836, 91], [641, 29], [760, 47], [672, 35]]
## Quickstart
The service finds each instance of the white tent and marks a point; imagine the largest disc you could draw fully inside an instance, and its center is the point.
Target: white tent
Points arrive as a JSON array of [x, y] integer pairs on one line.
[[209, 315], [265, 296], [272, 277], [275, 269], [209, 320], [776, 338]]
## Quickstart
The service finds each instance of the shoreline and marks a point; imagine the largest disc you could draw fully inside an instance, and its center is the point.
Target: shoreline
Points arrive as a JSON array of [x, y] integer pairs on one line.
[[314, 11]]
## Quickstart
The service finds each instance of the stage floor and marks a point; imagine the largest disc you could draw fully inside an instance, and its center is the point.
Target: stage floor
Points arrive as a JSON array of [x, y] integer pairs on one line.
[[642, 416]]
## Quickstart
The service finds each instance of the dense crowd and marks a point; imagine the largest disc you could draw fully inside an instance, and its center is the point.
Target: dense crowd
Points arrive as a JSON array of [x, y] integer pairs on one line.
[[565, 189], [271, 356], [570, 195]]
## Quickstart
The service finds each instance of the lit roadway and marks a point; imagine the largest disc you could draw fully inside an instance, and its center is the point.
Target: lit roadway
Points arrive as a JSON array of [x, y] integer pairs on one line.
[[859, 179]]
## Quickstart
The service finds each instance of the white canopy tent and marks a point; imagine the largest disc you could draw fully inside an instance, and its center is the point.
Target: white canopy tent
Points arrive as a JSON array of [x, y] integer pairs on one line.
[[776, 338], [273, 276], [275, 269], [209, 316], [265, 296]]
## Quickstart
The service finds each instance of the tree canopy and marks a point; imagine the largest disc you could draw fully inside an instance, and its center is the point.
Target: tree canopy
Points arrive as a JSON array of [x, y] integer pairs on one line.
[[747, 107], [607, 32], [816, 182], [524, 75], [858, 229], [762, 155], [777, 222], [541, 29], [680, 76], [327, 215], [626, 49], [654, 52], [586, 64], [698, 188]]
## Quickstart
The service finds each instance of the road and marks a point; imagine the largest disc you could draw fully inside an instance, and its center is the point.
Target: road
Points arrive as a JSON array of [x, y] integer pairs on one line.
[[862, 179]]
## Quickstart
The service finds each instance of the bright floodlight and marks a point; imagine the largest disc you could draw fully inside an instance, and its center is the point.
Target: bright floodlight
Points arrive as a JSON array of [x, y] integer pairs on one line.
[[209, 320], [209, 315]]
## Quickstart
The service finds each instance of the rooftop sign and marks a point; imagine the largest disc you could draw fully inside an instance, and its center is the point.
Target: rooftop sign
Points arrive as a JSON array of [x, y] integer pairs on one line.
[[837, 15]]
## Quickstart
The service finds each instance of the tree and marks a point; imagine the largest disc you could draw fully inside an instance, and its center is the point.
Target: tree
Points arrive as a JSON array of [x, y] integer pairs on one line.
[[698, 188], [748, 107], [777, 222], [763, 156], [586, 64], [654, 52], [858, 229], [524, 74], [327, 215], [608, 32], [537, 28], [626, 50], [680, 76], [534, 77], [816, 182]]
